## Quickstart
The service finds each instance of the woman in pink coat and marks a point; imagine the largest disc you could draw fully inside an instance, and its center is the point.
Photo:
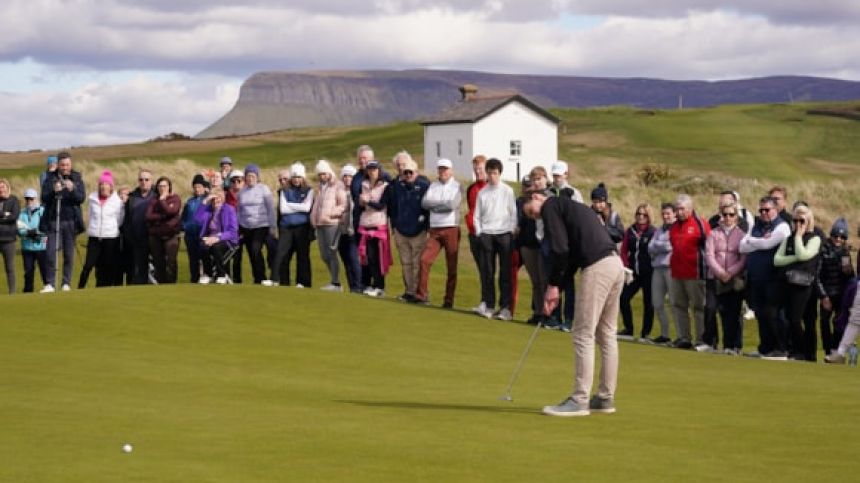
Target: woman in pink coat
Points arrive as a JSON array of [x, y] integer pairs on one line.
[[726, 264]]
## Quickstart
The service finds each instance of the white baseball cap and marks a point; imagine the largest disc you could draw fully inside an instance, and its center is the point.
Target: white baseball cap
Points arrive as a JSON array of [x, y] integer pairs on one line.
[[236, 173], [444, 163], [558, 167]]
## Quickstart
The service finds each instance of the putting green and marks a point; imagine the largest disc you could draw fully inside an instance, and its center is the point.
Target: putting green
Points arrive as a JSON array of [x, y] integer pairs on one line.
[[245, 383]]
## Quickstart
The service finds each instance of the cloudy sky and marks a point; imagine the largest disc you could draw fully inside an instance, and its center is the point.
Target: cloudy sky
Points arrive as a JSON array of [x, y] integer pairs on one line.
[[86, 72]]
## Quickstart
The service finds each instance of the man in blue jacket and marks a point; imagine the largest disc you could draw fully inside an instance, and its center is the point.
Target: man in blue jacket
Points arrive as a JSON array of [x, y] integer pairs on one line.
[[409, 221]]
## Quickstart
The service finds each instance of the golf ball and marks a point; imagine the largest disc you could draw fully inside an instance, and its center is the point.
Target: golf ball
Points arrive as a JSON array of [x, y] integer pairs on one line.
[[126, 448]]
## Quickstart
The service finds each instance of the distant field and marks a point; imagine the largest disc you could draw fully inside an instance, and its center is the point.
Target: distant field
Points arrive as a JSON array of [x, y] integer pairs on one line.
[[250, 384], [747, 148]]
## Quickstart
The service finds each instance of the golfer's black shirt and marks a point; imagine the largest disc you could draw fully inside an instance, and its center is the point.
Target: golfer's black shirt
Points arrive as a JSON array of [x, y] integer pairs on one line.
[[576, 237]]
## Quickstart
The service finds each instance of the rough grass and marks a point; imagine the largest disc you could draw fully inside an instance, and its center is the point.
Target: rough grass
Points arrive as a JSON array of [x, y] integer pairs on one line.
[[247, 384]]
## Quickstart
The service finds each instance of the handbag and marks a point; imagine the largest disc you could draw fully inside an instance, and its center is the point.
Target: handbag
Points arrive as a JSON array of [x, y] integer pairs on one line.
[[800, 278]]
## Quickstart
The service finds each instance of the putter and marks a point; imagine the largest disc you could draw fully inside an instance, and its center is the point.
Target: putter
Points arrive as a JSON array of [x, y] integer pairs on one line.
[[507, 395]]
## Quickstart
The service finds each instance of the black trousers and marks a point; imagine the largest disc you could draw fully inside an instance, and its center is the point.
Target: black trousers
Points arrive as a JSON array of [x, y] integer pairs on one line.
[[495, 247], [764, 299], [642, 281], [31, 260], [830, 334], [729, 307], [803, 336], [293, 240], [212, 258], [139, 248], [101, 255], [253, 239]]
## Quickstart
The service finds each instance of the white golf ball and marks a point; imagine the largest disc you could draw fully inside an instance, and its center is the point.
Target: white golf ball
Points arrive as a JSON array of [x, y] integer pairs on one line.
[[126, 448]]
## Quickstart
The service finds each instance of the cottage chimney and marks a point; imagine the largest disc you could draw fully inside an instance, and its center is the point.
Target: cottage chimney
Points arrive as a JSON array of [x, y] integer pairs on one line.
[[469, 92]]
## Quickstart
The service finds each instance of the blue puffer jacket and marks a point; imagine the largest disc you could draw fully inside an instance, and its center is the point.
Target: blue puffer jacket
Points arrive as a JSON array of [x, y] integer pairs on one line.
[[404, 211], [29, 219], [189, 224]]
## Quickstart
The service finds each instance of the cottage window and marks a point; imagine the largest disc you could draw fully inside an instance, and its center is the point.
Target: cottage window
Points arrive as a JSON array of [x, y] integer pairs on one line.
[[438, 149], [459, 147], [516, 148]]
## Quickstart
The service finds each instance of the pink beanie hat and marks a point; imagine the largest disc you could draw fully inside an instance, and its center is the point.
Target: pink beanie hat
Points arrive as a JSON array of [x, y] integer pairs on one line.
[[106, 177]]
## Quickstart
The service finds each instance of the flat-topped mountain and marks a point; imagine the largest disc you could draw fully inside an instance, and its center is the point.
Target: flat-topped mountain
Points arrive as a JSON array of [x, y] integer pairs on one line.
[[270, 101]]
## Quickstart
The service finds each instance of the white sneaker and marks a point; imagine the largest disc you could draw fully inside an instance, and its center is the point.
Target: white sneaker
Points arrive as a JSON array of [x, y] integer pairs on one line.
[[704, 348], [221, 280], [504, 314], [47, 289], [487, 313], [370, 292], [298, 285], [66, 287], [332, 288], [749, 315], [480, 309], [267, 283], [204, 280]]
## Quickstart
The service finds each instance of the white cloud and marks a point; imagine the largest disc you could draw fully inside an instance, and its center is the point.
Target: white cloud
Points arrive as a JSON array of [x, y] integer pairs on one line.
[[98, 113], [205, 44]]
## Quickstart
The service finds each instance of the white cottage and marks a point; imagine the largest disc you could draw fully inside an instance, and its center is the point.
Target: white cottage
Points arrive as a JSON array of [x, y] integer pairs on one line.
[[509, 127]]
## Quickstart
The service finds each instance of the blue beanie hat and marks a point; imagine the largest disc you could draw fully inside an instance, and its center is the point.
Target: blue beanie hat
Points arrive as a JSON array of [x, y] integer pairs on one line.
[[600, 193], [840, 228], [52, 160]]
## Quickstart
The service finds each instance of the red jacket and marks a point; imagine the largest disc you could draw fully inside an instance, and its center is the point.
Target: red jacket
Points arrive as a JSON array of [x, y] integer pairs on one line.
[[688, 245], [471, 201]]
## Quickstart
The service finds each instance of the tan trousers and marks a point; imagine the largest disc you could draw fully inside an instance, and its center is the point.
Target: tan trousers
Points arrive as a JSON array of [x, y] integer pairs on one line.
[[410, 249], [596, 317]]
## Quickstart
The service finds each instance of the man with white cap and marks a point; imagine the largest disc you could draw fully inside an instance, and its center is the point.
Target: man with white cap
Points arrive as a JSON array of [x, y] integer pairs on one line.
[[409, 222], [442, 200], [560, 185]]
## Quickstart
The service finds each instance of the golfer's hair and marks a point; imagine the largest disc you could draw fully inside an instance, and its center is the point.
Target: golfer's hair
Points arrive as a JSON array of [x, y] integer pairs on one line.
[[494, 163], [363, 148]]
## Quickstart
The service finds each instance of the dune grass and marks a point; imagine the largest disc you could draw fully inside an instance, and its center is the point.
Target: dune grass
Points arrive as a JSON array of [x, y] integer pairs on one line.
[[241, 383]]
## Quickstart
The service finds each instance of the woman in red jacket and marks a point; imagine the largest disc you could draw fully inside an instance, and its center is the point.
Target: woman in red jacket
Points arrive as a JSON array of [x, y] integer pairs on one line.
[[162, 218]]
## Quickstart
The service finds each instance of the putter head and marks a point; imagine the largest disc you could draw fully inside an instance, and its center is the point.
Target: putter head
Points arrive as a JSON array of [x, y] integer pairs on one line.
[[506, 397]]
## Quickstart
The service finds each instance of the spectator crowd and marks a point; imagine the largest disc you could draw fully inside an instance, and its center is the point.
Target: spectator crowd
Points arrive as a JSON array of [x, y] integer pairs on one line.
[[772, 263]]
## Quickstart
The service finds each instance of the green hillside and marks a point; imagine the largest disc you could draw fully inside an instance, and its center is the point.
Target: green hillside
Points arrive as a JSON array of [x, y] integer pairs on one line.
[[243, 383]]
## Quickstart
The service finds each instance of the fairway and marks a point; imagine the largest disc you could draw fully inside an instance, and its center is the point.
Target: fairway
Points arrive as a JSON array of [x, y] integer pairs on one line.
[[244, 383]]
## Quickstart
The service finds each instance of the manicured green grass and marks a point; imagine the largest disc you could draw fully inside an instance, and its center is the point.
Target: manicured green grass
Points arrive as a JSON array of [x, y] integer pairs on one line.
[[242, 383]]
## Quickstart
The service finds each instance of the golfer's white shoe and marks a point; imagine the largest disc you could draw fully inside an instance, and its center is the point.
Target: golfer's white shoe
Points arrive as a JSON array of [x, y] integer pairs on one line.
[[567, 408]]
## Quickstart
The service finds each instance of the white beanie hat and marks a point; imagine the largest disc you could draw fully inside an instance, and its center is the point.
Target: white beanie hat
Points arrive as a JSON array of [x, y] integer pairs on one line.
[[324, 167], [347, 170], [297, 170]]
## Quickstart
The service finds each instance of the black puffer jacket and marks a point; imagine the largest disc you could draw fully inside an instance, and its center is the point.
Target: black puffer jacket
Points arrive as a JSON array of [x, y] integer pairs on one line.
[[832, 279], [9, 209]]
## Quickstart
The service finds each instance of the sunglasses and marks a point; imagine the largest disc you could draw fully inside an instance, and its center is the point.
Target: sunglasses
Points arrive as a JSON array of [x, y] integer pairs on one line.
[[641, 214], [409, 172], [144, 179], [765, 210], [730, 215], [799, 220], [841, 237], [236, 180]]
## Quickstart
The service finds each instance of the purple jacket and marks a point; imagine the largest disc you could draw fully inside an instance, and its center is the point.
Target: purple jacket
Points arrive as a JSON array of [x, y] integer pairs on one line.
[[225, 227]]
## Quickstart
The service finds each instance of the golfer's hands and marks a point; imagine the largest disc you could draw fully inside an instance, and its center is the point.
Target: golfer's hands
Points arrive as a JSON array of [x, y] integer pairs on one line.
[[550, 299]]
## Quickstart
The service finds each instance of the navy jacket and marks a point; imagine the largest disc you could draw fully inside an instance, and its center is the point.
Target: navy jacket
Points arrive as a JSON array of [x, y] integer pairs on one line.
[[404, 207]]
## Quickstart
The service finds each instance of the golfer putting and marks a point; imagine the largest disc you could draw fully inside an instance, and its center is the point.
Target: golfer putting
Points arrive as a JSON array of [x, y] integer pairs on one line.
[[578, 241]]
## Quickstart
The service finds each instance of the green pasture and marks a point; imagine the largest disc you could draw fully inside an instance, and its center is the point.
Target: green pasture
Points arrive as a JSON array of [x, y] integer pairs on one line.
[[244, 383]]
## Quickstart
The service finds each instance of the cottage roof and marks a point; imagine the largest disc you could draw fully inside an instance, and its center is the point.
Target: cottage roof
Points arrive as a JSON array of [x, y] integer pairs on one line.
[[474, 109]]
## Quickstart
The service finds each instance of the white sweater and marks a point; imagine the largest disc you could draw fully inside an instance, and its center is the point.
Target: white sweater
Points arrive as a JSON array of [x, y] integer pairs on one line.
[[442, 200], [104, 220], [496, 210]]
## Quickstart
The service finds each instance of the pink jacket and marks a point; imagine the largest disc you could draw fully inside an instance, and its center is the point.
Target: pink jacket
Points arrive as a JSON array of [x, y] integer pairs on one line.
[[722, 252], [371, 216], [329, 205]]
